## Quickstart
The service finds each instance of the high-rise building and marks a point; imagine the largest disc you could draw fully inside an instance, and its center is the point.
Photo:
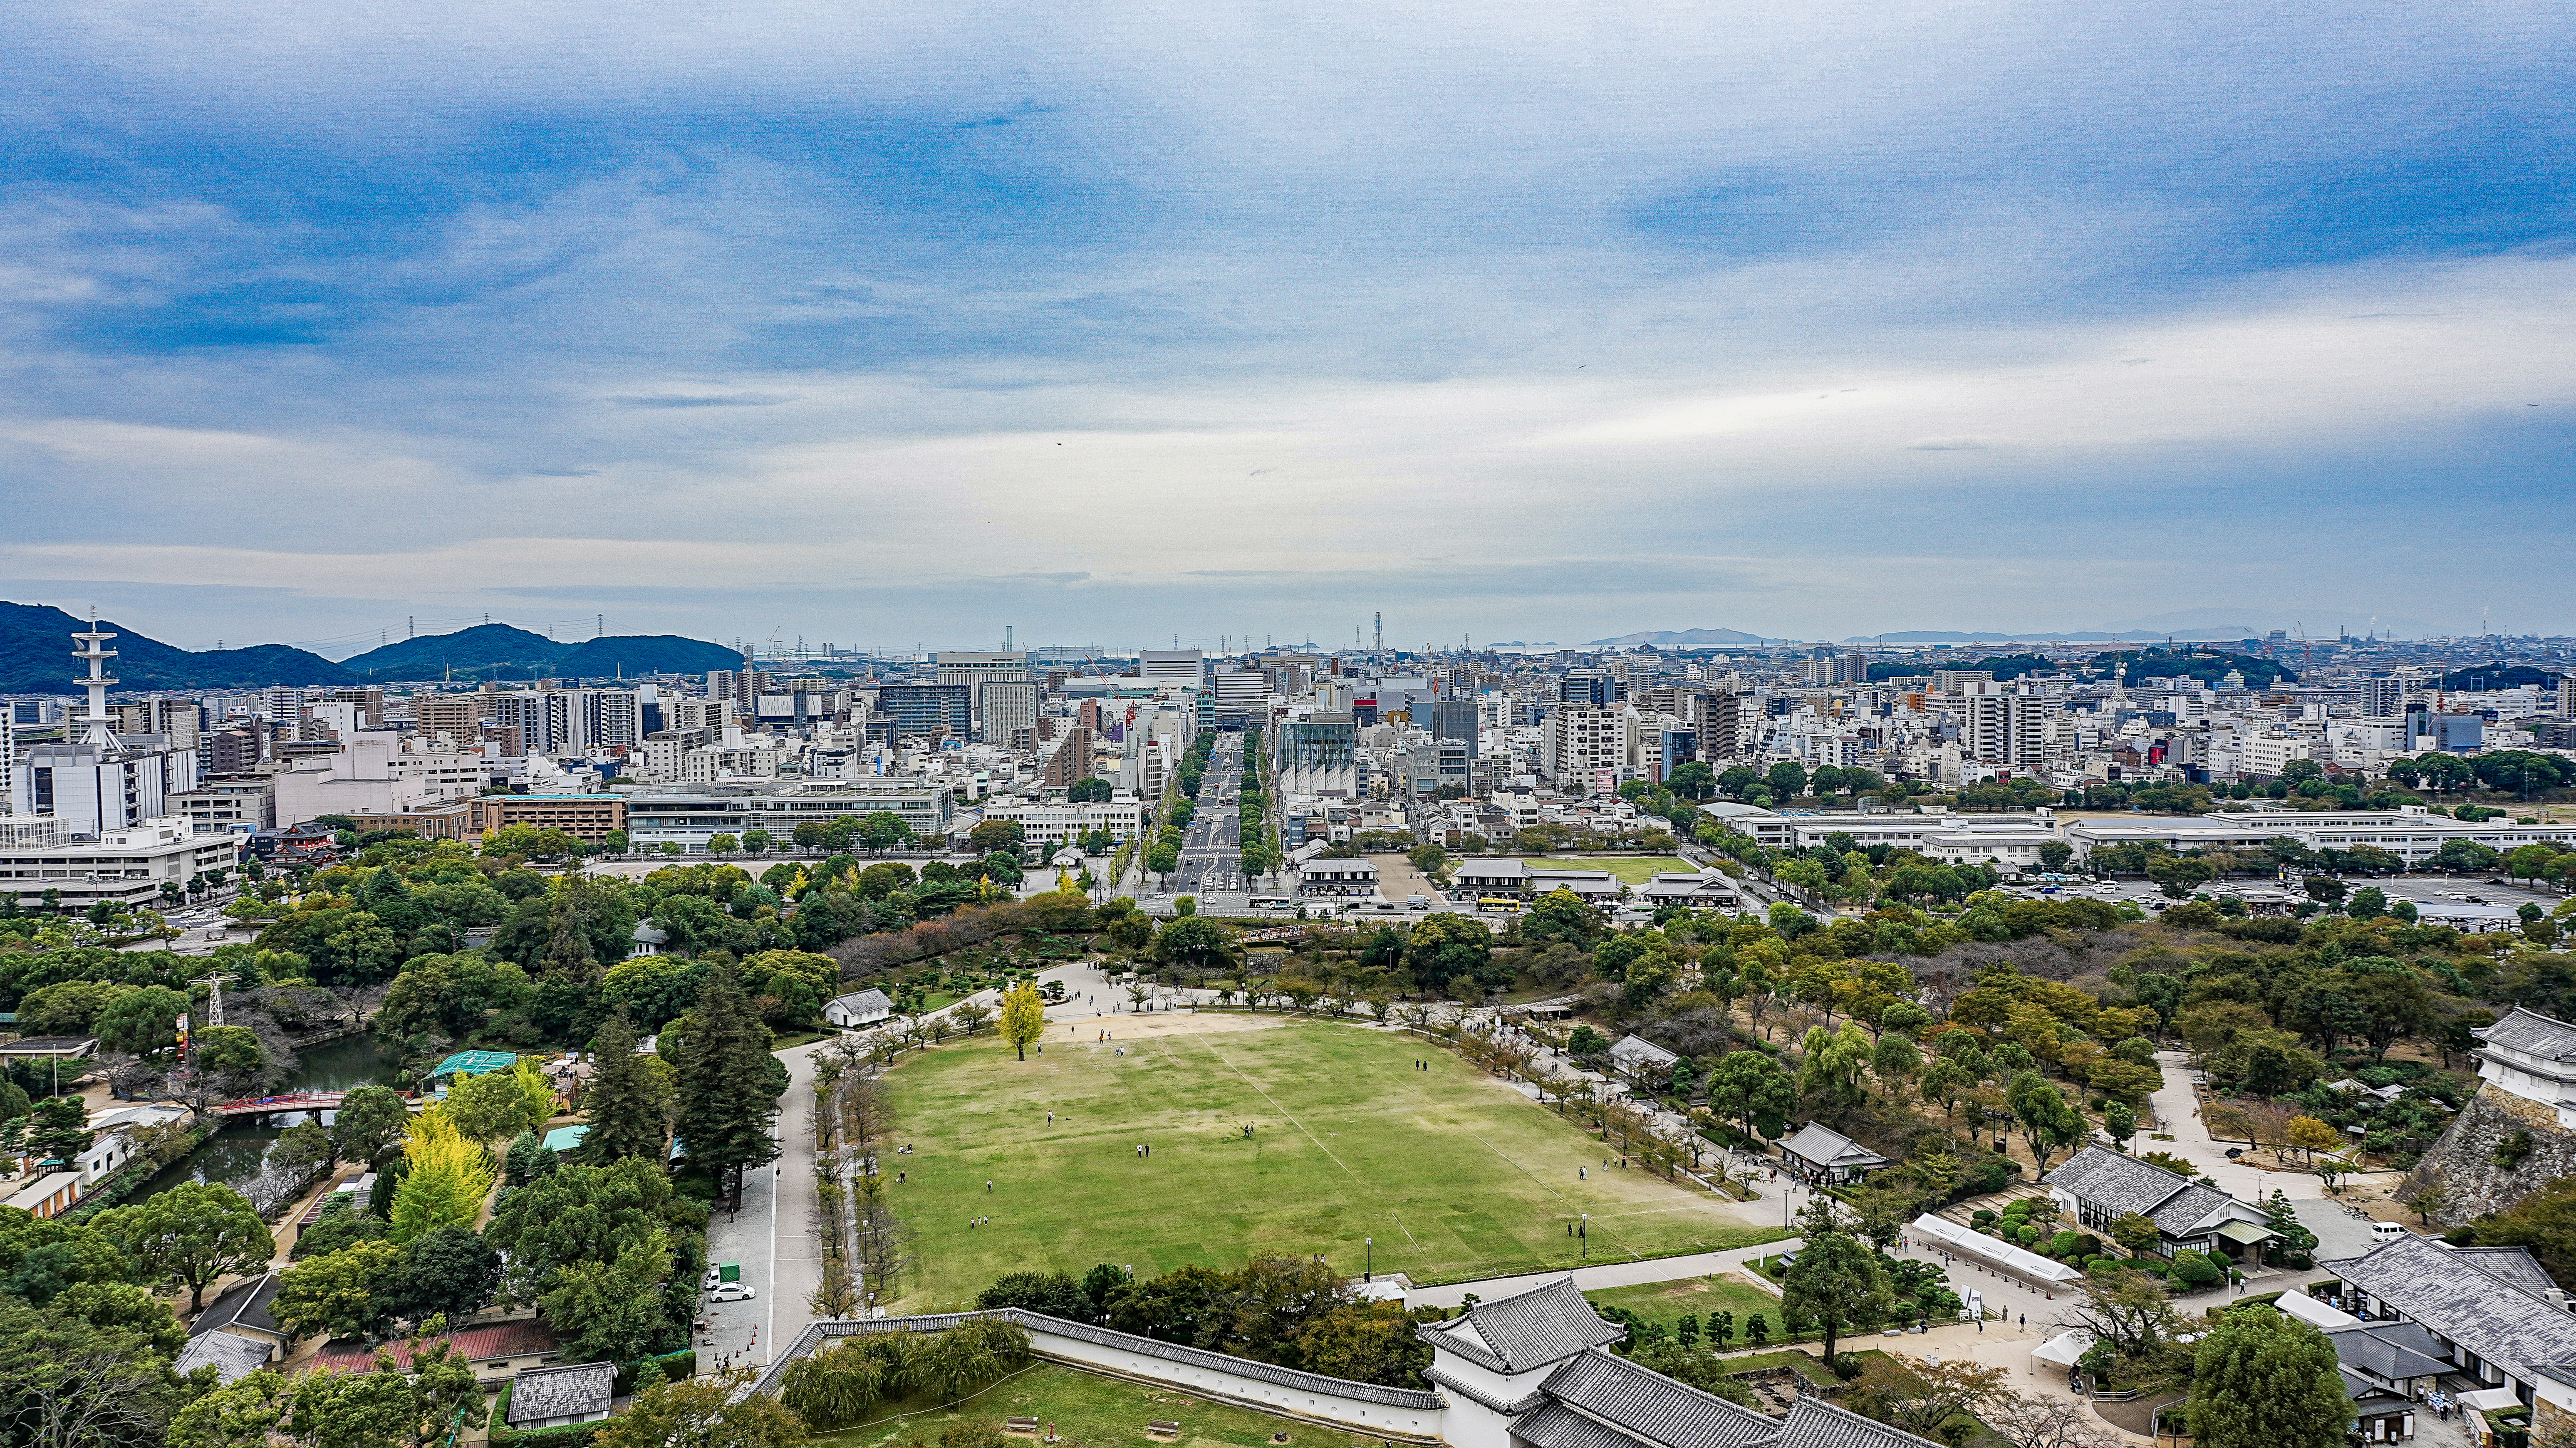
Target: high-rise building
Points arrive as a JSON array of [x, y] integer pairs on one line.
[[370, 700], [921, 711], [2005, 728], [1455, 719], [2383, 698], [1070, 764], [1009, 708], [975, 669], [1187, 666], [177, 720], [1588, 688], [1578, 744], [1317, 755], [456, 716]]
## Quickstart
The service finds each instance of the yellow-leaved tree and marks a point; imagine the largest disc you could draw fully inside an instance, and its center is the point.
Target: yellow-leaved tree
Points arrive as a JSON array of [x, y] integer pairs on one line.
[[1023, 1017], [449, 1175]]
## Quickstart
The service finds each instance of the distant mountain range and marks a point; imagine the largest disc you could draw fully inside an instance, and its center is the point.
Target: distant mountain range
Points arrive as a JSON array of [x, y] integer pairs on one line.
[[1689, 638], [1953, 636], [36, 658], [498, 651]]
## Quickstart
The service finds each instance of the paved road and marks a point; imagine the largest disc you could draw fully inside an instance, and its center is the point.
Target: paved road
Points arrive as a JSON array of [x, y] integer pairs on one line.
[[1211, 848]]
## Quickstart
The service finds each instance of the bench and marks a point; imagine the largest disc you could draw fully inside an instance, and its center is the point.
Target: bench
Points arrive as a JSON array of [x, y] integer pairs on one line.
[[1163, 1428], [1019, 1425]]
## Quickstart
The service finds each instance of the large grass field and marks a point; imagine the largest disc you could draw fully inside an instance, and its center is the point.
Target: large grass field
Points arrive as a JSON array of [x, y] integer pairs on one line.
[[1455, 1175], [1669, 1302], [1628, 869], [1088, 1411]]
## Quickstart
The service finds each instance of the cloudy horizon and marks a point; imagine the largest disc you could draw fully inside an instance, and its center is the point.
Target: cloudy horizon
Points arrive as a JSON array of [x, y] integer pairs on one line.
[[889, 327]]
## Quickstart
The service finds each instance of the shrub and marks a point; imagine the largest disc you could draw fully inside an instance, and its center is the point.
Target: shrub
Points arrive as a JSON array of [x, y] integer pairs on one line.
[[1847, 1365], [2062, 1244]]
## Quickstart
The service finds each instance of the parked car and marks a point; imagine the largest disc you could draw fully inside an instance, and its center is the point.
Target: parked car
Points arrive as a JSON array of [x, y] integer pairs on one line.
[[2386, 1231], [732, 1292]]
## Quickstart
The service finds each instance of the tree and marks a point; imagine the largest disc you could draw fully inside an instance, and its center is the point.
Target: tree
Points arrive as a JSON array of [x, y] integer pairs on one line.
[[2047, 1120], [370, 1119], [1751, 1089], [2120, 1124], [1830, 1074], [488, 1106], [1560, 914], [995, 835], [2136, 1233], [708, 1411], [193, 1233], [1023, 1018], [1089, 791], [2026, 1420], [1368, 1342], [2127, 1309], [140, 1022], [348, 1293], [1838, 1284], [2263, 1379], [1195, 941], [1056, 1294], [1921, 1397], [446, 1179], [727, 1092], [2311, 1136], [1787, 779], [1446, 946], [614, 1310], [58, 1129], [628, 1100]]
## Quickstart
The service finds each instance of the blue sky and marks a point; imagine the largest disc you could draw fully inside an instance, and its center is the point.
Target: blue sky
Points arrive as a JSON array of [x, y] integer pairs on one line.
[[891, 325]]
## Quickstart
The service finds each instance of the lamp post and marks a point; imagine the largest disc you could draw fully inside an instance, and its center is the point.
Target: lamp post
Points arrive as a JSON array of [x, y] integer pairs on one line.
[[1583, 1237], [1368, 1273]]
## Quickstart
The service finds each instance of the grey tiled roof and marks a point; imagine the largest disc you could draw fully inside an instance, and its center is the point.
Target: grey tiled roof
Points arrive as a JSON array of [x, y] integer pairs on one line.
[[1640, 1049], [2189, 1208], [564, 1392], [2115, 1183], [816, 1335], [2512, 1328], [1827, 1147], [1556, 1426], [871, 999], [1532, 1329], [242, 1305], [233, 1355], [2512, 1266], [2362, 1346], [1646, 1404], [2531, 1033], [1815, 1423]]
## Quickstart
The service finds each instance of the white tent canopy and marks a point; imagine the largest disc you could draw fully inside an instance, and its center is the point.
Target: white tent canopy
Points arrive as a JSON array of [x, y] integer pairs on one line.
[[2066, 1349], [1993, 1252], [2297, 1303]]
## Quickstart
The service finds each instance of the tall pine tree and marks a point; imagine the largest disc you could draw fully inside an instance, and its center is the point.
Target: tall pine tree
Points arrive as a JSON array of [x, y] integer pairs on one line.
[[627, 1099], [727, 1082]]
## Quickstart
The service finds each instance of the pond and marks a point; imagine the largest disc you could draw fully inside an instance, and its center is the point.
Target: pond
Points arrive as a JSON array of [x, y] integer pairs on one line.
[[233, 1154]]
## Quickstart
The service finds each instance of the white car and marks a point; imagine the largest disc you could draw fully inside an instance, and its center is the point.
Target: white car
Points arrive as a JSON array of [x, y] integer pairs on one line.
[[732, 1292]]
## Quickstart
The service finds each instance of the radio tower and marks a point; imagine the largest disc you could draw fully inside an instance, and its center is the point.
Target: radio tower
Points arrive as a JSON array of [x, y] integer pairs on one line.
[[1380, 650], [94, 651]]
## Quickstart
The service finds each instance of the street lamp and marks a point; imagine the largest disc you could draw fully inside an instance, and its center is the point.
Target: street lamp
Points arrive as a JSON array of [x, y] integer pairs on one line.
[[1368, 1273], [1583, 1237]]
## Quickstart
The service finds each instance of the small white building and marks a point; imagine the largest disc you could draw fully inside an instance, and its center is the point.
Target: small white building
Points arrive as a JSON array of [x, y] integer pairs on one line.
[[2531, 1056], [859, 1009]]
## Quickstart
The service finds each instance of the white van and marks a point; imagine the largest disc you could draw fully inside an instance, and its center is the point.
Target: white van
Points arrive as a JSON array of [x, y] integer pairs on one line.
[[2386, 1231]]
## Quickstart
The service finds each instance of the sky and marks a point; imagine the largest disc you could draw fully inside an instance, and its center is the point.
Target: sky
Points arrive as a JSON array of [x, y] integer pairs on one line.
[[897, 325]]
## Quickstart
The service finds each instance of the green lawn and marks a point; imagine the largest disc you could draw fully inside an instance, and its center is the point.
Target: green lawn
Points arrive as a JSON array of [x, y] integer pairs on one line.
[[1669, 1302], [1627, 869], [1453, 1174], [1088, 1411]]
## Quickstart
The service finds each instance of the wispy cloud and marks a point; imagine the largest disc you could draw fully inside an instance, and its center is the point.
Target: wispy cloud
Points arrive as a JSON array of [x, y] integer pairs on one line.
[[1550, 325]]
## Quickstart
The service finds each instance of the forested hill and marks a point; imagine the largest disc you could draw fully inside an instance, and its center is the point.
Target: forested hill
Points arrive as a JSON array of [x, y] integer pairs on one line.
[[499, 651], [36, 658]]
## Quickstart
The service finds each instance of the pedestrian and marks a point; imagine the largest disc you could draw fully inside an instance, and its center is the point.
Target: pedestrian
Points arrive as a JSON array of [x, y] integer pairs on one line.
[[988, 1186], [2025, 1321]]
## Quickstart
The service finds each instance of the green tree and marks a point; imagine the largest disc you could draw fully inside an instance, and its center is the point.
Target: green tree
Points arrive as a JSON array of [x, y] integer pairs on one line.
[[1787, 779], [69, 1380], [348, 1293], [2263, 1379], [727, 1083], [1751, 1089], [1561, 915], [611, 1311], [708, 1411], [994, 835], [488, 1107], [1831, 1073], [142, 1021], [1445, 946], [628, 1100], [370, 1119], [1194, 940], [1370, 1342], [2048, 1121], [58, 1129], [191, 1234], [1838, 1284]]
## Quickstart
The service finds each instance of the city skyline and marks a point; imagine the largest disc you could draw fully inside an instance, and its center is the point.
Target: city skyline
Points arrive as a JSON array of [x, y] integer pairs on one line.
[[914, 327]]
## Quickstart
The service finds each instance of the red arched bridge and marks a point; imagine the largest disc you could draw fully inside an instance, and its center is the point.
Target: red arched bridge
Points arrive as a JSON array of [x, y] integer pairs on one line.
[[293, 1101]]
